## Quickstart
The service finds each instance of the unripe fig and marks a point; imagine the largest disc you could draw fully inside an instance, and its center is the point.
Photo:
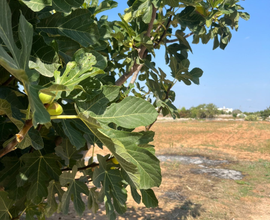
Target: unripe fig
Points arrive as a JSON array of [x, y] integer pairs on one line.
[[55, 109], [115, 161], [45, 99], [201, 10]]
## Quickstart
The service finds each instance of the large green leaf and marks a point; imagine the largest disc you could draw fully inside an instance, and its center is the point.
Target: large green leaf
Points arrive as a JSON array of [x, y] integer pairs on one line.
[[93, 199], [38, 170], [10, 106], [78, 26], [196, 74], [105, 5], [5, 205], [40, 114], [36, 139], [86, 64], [172, 3], [180, 35], [144, 9], [53, 189], [99, 103], [43, 68], [18, 63], [149, 199], [112, 183], [43, 51], [68, 153], [75, 188], [132, 112], [147, 163], [66, 48], [118, 149], [37, 5], [75, 136], [9, 173], [66, 5]]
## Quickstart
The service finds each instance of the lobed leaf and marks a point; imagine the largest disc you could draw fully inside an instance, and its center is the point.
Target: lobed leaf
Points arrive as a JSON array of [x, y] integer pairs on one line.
[[38, 171], [78, 26], [75, 188], [5, 205], [131, 112]]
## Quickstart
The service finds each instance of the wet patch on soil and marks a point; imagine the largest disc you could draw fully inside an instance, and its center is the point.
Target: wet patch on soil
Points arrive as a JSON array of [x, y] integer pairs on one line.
[[190, 160], [219, 173], [216, 172]]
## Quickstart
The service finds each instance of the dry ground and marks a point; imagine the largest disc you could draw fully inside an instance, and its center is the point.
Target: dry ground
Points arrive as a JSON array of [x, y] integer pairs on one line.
[[184, 195]]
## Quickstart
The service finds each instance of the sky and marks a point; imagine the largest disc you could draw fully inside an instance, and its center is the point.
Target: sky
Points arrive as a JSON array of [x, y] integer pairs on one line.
[[237, 77]]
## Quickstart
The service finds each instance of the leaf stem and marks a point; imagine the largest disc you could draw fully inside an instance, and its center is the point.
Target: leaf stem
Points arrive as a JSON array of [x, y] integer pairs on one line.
[[64, 117]]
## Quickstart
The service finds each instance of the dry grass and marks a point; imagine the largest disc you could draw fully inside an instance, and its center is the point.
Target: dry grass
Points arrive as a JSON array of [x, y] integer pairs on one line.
[[240, 140]]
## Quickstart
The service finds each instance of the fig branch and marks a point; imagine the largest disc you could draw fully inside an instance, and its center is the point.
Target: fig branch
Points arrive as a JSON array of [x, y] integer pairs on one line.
[[92, 165], [17, 139], [136, 67], [147, 128]]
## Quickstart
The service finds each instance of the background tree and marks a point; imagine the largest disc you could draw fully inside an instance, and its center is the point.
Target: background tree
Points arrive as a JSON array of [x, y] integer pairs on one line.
[[64, 73], [236, 111], [265, 113]]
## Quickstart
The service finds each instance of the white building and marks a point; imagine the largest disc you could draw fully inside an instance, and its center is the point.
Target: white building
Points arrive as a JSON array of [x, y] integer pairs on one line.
[[227, 110]]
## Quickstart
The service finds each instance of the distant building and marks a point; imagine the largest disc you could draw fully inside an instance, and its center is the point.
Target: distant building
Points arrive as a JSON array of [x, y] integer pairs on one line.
[[227, 110]]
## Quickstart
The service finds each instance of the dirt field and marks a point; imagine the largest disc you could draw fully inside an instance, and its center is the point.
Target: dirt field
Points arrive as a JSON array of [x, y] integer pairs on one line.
[[188, 196]]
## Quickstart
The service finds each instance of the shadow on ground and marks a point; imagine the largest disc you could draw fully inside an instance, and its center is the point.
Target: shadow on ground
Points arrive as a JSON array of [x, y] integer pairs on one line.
[[183, 212], [186, 210]]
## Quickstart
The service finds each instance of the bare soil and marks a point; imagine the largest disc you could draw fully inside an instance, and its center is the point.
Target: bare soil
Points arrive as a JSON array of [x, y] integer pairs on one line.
[[188, 196]]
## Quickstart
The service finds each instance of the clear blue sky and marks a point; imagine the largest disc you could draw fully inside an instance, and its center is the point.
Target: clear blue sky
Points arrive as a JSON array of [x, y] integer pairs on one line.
[[237, 77]]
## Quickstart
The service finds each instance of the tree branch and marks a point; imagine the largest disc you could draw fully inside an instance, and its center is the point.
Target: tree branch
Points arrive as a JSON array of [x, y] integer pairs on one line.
[[92, 165], [171, 41], [136, 67], [150, 26], [134, 77], [164, 32], [147, 128], [188, 35], [175, 40], [17, 139], [10, 147], [10, 79]]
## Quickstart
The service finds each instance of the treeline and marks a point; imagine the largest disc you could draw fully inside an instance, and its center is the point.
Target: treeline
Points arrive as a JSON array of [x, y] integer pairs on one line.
[[264, 114], [211, 111], [201, 111]]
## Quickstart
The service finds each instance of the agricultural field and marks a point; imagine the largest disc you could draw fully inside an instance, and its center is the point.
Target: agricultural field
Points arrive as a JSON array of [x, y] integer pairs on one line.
[[188, 195]]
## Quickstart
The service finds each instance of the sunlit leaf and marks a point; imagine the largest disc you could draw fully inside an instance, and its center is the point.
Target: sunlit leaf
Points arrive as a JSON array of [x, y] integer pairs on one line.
[[132, 112]]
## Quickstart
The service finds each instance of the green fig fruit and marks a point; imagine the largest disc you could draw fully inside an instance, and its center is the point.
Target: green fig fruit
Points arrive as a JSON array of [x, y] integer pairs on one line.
[[55, 109], [115, 161], [45, 99]]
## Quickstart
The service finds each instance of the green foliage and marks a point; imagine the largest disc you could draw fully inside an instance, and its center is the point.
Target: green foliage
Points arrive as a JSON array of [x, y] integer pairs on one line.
[[265, 113], [64, 50], [236, 111], [204, 111], [251, 118]]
